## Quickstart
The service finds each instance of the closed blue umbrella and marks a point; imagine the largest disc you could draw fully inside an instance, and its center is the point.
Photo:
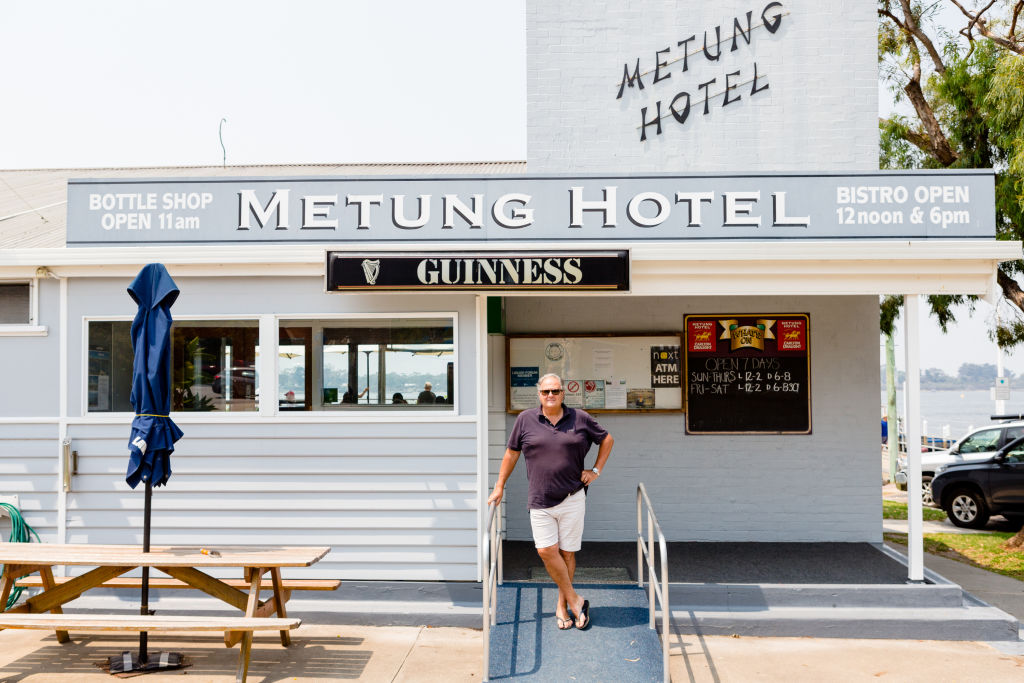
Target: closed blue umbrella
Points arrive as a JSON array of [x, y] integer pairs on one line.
[[153, 431]]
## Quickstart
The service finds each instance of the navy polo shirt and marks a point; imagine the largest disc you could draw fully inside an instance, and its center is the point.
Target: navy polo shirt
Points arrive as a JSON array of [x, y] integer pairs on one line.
[[554, 453]]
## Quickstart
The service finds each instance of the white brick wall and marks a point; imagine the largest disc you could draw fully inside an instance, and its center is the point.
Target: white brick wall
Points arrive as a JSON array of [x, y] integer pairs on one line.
[[821, 487], [819, 112]]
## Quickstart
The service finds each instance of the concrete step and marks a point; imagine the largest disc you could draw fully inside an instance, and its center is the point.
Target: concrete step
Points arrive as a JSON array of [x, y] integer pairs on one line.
[[705, 595], [973, 621]]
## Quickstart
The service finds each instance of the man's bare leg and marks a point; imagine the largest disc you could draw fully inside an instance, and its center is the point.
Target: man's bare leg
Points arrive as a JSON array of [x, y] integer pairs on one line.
[[561, 566]]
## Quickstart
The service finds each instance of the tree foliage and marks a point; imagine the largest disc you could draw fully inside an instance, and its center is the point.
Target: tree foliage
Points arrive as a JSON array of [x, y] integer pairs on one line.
[[966, 90]]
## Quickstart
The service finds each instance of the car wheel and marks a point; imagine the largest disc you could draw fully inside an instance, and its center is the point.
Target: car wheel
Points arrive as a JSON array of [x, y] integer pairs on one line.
[[966, 509], [926, 490]]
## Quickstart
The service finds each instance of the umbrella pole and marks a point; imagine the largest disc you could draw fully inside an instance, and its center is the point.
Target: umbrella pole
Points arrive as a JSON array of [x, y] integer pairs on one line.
[[144, 609]]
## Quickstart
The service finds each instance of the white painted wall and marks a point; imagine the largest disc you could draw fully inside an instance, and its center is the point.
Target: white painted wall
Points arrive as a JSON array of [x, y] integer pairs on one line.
[[819, 111], [818, 487]]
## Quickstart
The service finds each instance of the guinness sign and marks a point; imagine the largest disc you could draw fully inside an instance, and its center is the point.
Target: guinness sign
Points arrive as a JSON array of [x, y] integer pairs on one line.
[[473, 271]]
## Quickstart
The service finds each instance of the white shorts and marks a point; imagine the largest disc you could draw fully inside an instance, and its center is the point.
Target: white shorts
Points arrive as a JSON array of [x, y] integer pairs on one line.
[[561, 524]]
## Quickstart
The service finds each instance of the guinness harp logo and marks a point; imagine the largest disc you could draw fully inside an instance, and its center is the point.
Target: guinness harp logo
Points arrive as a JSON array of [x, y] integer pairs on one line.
[[371, 269]]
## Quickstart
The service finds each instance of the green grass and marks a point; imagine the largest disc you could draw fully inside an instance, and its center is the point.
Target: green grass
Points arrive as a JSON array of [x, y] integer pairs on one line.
[[980, 550], [892, 509]]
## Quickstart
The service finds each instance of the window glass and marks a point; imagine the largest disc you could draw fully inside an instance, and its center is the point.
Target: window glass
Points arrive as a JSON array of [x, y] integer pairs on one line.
[[1016, 455], [109, 380], [1013, 433], [213, 366], [404, 363], [15, 304], [981, 442]]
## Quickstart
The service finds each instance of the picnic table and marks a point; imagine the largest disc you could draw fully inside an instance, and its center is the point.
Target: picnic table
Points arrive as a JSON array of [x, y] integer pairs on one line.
[[187, 567]]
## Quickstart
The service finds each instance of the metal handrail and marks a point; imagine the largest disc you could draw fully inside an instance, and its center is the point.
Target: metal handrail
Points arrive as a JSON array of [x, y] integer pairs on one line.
[[646, 553], [493, 577]]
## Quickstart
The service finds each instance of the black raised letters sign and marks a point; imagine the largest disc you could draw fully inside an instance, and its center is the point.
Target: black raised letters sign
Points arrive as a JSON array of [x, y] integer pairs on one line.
[[512, 271]]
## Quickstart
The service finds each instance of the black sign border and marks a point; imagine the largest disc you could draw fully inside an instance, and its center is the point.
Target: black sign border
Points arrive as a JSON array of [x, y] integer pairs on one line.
[[622, 255], [686, 362]]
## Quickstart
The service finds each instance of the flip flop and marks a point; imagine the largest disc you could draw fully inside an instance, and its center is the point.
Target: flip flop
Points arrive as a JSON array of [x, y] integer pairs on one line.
[[584, 614], [564, 624]]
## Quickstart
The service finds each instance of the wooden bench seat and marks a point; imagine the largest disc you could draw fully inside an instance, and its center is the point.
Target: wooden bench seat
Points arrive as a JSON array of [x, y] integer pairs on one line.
[[136, 623], [167, 582]]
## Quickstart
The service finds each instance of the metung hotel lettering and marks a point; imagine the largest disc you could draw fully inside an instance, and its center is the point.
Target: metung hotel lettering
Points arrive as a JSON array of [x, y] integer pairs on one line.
[[511, 211], [702, 88]]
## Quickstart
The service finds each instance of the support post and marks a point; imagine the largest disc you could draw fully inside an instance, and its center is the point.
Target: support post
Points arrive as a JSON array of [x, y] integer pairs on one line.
[[912, 345]]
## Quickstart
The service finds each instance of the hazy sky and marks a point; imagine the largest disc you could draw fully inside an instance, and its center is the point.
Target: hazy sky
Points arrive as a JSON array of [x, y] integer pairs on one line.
[[123, 82], [129, 83]]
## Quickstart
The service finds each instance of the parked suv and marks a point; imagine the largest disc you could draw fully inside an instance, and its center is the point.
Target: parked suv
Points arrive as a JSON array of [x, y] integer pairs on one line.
[[971, 492], [977, 446]]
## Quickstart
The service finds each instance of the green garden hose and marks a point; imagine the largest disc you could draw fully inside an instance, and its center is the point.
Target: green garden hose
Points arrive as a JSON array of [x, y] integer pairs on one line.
[[21, 532]]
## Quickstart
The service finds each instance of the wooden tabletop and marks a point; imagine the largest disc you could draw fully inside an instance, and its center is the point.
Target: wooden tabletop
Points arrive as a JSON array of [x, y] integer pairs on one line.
[[160, 556]]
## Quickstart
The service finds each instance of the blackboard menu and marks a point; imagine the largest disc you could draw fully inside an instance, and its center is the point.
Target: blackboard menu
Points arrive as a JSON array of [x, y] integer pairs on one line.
[[748, 374]]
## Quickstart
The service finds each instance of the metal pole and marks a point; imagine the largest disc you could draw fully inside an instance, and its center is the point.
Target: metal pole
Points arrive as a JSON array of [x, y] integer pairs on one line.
[[651, 578], [144, 608]]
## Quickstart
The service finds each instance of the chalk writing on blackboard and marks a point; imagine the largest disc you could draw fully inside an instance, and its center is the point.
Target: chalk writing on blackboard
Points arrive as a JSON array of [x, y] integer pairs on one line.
[[747, 374]]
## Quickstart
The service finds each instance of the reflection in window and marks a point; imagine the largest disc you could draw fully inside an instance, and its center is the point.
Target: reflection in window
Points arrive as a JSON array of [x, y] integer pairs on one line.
[[407, 362], [109, 376], [213, 366], [981, 442]]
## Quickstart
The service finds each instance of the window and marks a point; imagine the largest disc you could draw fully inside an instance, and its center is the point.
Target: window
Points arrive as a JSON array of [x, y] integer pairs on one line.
[[399, 363], [15, 303], [981, 442], [213, 366]]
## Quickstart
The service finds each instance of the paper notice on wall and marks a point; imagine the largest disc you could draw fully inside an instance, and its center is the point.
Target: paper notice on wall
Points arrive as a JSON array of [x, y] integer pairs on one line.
[[573, 396], [603, 362], [593, 394], [523, 389], [615, 394]]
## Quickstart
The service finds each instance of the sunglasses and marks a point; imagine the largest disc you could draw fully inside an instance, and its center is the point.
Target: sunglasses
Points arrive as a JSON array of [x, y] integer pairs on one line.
[[549, 392]]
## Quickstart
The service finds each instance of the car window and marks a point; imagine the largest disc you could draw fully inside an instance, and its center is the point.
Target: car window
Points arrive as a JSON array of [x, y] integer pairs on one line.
[[981, 442], [1013, 433], [1016, 455]]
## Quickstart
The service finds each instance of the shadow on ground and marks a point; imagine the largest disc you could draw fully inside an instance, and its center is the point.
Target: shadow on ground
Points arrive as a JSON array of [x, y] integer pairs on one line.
[[317, 658]]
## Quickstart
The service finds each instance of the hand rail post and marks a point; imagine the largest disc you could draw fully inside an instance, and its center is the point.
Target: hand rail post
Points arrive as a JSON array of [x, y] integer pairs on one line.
[[656, 588], [639, 545], [653, 577]]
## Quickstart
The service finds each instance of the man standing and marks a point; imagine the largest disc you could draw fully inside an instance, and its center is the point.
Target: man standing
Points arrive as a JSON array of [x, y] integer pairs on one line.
[[555, 440]]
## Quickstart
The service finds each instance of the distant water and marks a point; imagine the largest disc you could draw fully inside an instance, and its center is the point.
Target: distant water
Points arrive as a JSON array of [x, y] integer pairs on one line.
[[961, 410]]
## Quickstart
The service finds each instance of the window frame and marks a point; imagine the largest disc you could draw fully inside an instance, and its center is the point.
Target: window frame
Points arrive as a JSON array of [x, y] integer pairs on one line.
[[270, 384], [32, 328]]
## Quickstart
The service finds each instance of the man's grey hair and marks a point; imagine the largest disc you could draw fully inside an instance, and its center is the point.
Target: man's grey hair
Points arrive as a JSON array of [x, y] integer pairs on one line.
[[550, 374]]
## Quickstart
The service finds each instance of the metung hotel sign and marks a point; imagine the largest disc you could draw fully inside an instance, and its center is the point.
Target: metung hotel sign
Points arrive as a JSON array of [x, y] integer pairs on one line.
[[595, 208]]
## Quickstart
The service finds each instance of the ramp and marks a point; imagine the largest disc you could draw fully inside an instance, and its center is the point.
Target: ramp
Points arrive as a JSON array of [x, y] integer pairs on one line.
[[526, 644]]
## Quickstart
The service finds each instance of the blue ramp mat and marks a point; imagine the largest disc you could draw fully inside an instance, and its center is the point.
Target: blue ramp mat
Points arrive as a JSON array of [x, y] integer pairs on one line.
[[526, 644]]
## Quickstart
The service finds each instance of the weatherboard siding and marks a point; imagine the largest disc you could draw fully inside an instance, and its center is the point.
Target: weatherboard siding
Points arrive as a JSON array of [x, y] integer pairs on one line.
[[394, 501], [28, 469]]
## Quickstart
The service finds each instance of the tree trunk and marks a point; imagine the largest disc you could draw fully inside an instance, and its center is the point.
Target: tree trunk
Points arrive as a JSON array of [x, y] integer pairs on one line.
[[1015, 541]]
